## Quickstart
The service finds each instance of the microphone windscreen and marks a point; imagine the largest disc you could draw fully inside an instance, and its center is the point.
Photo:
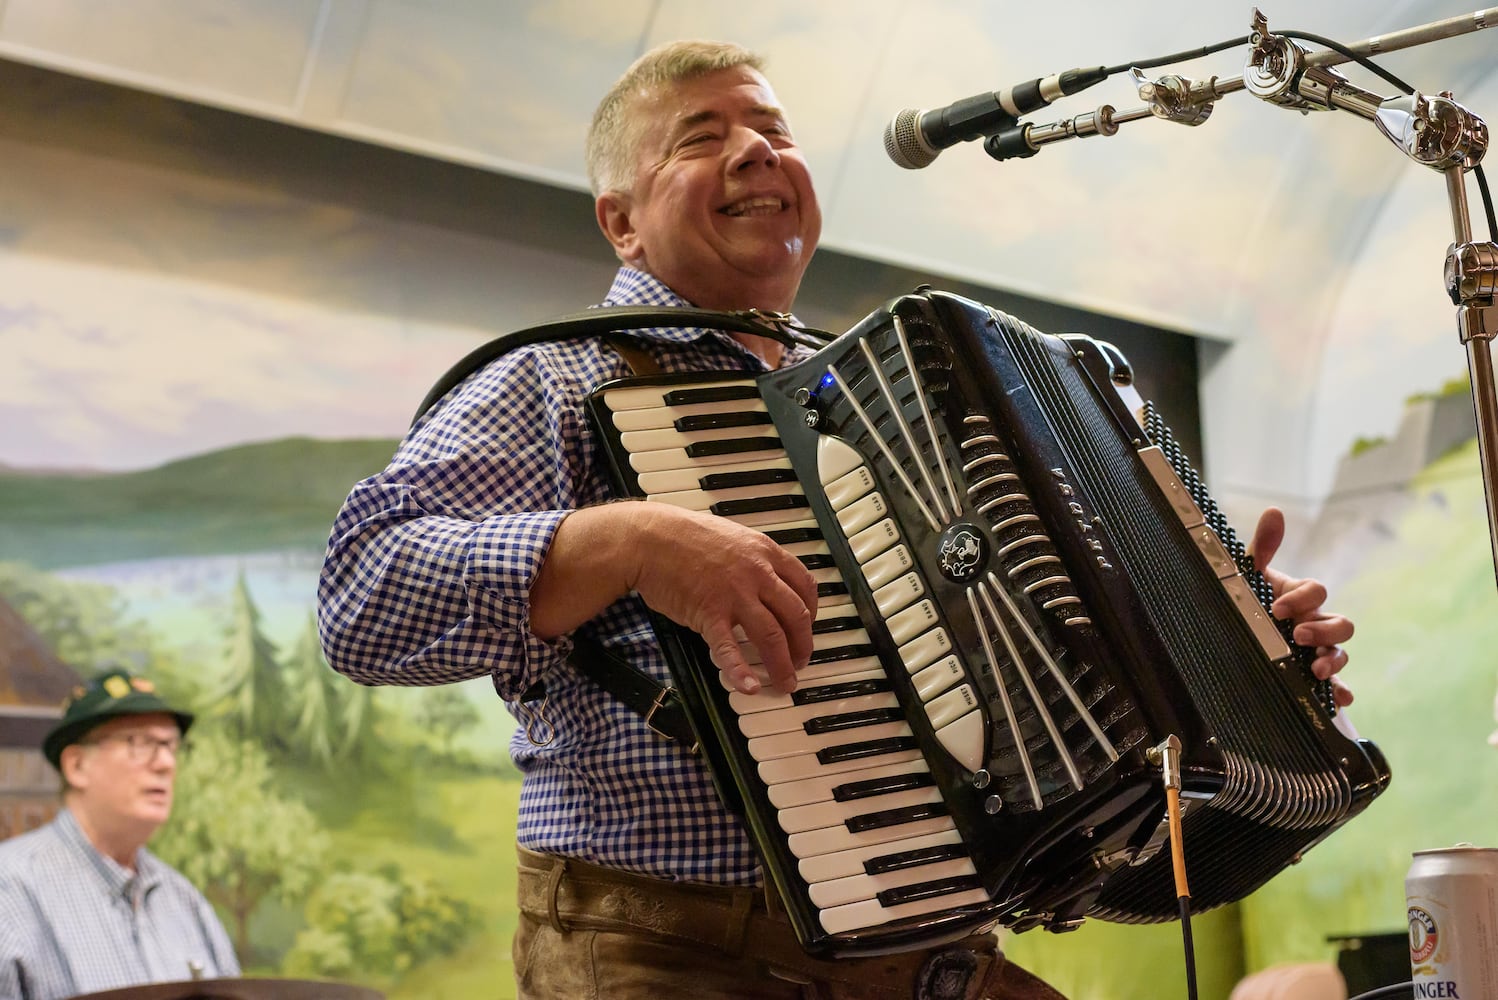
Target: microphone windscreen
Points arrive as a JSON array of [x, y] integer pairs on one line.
[[905, 144]]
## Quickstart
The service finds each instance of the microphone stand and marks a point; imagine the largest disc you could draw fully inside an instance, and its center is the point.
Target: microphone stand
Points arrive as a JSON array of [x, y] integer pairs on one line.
[[1434, 131]]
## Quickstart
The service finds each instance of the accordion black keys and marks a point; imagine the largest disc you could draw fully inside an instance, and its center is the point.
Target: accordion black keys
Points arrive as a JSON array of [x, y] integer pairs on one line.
[[1024, 588]]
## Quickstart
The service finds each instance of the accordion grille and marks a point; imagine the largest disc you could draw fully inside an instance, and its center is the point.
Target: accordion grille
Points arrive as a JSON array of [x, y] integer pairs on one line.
[[1268, 752]]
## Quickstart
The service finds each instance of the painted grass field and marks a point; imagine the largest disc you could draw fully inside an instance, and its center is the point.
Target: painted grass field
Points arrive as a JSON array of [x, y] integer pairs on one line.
[[458, 831]]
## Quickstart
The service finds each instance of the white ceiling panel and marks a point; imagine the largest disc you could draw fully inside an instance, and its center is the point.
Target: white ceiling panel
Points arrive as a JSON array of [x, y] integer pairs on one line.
[[512, 83], [1201, 229], [252, 55]]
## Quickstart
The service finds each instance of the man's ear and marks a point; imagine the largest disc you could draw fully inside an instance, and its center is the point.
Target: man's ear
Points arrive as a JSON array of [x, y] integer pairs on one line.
[[70, 763], [613, 210]]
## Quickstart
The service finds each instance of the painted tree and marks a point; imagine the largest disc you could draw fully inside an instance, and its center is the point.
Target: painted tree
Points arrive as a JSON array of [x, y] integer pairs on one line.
[[236, 836], [383, 923], [357, 717], [251, 696], [85, 624], [89, 627], [315, 694]]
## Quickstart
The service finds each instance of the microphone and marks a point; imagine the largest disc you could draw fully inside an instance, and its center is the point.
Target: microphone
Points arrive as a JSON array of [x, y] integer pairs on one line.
[[913, 139]]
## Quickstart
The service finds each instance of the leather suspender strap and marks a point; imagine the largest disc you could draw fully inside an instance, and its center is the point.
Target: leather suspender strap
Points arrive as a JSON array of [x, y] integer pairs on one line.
[[659, 705], [639, 361]]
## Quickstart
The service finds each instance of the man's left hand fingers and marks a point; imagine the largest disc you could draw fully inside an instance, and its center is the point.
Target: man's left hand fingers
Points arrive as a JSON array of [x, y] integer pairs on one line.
[[1298, 598], [1323, 630]]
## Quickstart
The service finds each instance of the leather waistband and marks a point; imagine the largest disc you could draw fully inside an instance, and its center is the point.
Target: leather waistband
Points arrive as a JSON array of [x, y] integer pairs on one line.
[[574, 895]]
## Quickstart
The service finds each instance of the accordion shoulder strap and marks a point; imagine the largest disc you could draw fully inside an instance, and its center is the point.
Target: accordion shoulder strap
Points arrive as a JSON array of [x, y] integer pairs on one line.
[[604, 321], [655, 702], [658, 704]]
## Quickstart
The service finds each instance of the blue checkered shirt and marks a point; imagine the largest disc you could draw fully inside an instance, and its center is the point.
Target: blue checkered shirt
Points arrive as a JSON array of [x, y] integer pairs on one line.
[[74, 921], [428, 576]]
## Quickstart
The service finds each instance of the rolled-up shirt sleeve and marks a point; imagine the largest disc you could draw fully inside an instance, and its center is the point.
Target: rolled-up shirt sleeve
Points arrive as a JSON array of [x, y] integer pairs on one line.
[[430, 564]]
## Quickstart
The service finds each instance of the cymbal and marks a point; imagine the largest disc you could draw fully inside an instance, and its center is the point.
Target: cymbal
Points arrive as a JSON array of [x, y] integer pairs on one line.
[[238, 989]]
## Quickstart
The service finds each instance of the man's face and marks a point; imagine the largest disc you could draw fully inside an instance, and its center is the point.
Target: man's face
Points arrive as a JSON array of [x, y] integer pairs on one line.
[[123, 772], [722, 208]]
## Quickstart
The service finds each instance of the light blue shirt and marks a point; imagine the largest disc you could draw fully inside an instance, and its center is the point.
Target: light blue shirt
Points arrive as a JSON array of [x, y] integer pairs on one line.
[[74, 921]]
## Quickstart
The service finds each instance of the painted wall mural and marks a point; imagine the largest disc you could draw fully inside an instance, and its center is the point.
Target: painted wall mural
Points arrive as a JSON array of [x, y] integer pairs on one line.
[[197, 369], [363, 835]]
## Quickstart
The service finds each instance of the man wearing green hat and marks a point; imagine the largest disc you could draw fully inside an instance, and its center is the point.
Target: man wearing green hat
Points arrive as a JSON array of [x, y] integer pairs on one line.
[[83, 905]]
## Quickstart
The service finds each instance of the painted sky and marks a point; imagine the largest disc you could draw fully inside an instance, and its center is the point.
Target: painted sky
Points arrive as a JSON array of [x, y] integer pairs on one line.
[[1305, 238]]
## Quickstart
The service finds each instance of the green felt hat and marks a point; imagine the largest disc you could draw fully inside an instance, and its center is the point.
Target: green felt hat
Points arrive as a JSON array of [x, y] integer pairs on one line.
[[106, 697]]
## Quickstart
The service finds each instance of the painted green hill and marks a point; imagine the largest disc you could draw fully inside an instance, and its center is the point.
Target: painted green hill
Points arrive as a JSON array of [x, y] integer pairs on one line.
[[1425, 674], [274, 495]]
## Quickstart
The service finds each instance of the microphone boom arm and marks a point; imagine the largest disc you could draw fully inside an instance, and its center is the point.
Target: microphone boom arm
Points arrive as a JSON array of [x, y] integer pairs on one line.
[[1434, 131]]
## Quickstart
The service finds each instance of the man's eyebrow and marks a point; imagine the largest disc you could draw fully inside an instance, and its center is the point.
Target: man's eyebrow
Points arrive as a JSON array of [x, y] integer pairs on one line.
[[696, 118]]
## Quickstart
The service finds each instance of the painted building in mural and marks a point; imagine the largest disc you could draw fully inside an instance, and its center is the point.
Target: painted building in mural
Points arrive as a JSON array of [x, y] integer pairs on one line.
[[33, 685]]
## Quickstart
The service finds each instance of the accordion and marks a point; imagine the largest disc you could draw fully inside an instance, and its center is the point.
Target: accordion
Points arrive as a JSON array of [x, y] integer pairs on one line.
[[1024, 588]]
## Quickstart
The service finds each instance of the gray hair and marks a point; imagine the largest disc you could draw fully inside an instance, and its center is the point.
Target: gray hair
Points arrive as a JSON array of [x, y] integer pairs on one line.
[[615, 133]]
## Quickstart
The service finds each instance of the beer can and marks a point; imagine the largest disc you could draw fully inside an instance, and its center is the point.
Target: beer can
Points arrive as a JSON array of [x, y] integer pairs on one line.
[[1452, 898]]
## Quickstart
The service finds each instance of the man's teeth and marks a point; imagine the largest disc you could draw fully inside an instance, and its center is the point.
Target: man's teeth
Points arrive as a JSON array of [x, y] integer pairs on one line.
[[755, 206]]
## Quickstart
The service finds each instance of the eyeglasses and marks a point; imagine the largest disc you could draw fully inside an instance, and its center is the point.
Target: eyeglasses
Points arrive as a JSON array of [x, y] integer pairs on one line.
[[142, 749]]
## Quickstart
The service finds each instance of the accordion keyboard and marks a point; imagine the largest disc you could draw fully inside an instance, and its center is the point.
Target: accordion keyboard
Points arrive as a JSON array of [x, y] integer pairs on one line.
[[853, 796]]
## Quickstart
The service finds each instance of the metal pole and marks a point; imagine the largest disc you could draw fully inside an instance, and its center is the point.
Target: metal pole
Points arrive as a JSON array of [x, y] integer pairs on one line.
[[1435, 31]]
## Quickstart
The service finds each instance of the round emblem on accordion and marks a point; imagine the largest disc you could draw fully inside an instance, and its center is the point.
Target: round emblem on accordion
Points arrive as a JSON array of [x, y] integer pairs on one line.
[[962, 552]]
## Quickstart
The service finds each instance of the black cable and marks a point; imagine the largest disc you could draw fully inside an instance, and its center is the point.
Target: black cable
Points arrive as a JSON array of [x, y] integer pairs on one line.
[[1402, 990], [1185, 902], [1189, 54], [1362, 61], [1178, 57], [1487, 201]]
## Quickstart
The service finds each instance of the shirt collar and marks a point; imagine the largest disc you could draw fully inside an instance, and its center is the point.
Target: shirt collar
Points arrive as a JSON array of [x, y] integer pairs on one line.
[[633, 287], [117, 880]]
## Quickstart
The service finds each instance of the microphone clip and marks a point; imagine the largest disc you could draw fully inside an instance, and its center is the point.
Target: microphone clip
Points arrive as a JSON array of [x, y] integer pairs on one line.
[[1176, 99]]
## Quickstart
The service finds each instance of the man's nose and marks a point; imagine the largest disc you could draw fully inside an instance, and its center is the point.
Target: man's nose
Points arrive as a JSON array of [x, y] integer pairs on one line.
[[752, 147]]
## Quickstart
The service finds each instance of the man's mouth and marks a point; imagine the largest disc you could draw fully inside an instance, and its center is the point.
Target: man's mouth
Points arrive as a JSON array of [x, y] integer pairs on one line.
[[763, 205]]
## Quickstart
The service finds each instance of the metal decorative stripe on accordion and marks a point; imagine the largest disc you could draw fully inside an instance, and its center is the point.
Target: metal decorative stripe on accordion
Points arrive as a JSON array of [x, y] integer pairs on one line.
[[1024, 588]]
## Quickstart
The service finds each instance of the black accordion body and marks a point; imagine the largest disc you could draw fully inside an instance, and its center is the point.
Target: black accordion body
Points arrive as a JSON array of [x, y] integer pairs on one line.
[[1024, 589]]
